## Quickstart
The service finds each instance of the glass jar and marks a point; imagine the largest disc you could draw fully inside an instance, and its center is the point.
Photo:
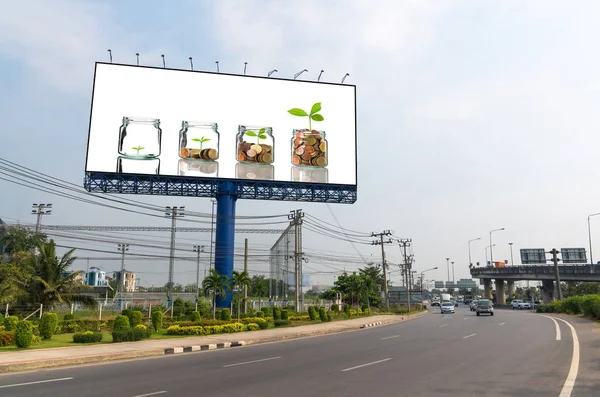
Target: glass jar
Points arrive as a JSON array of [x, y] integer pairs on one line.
[[198, 168], [310, 175], [199, 141], [255, 145], [309, 148], [264, 172], [140, 138], [147, 166]]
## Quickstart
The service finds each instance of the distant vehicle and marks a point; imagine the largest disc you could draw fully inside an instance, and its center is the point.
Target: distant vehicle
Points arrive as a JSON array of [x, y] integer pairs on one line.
[[484, 306], [435, 301], [447, 307], [520, 304], [468, 299], [473, 305], [446, 297], [455, 303]]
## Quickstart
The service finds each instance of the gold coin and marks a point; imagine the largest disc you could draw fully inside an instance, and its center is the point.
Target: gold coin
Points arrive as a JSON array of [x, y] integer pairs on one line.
[[321, 161], [310, 140], [267, 158], [195, 153], [323, 146], [256, 148], [212, 154], [251, 153]]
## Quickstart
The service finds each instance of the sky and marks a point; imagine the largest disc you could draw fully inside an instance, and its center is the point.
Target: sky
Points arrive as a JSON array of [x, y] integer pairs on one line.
[[472, 116]]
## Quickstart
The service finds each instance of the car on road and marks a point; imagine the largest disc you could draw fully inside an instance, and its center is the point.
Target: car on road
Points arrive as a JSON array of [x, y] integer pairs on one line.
[[447, 307], [473, 305], [455, 303], [435, 302], [484, 306]]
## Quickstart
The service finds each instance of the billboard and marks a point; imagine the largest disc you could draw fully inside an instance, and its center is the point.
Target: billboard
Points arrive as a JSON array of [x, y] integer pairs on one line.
[[573, 255], [533, 256], [168, 122]]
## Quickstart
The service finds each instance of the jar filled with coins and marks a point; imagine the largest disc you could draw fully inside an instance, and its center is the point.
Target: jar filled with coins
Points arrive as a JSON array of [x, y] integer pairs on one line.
[[309, 148], [199, 141], [140, 138], [255, 145]]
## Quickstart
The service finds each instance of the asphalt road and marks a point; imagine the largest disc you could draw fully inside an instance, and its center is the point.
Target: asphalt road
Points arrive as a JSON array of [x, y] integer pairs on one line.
[[513, 353]]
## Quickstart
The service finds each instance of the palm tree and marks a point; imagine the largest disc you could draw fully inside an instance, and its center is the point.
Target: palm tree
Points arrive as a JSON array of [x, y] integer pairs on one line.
[[238, 281], [261, 288], [52, 279], [217, 284]]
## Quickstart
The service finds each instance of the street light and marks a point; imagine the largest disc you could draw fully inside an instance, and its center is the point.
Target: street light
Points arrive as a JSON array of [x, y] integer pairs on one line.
[[486, 255], [453, 280], [422, 273], [198, 249], [491, 245], [590, 236], [475, 239], [448, 266], [512, 262]]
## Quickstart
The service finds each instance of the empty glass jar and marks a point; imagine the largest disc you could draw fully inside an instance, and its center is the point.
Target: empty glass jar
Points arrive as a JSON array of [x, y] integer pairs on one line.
[[255, 145], [199, 141], [309, 148], [128, 165], [140, 138]]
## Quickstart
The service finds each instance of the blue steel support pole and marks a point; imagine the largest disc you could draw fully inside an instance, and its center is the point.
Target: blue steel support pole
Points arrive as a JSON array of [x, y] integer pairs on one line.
[[225, 237]]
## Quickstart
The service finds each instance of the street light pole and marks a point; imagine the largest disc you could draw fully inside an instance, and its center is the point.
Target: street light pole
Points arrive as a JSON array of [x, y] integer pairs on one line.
[[198, 249], [453, 280], [448, 267], [475, 239], [491, 245], [486, 255], [422, 274], [512, 261], [590, 236]]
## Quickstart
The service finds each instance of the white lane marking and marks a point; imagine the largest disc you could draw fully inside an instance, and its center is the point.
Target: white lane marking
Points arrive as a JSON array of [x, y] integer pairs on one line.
[[466, 318], [251, 362], [35, 383], [151, 394], [556, 325], [443, 325], [501, 324], [468, 336], [572, 376], [390, 337], [367, 364]]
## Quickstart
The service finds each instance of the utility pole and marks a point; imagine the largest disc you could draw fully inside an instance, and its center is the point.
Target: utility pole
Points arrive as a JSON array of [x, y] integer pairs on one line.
[[121, 285], [448, 268], [295, 218], [555, 259], [383, 262], [246, 270], [407, 268], [173, 213], [212, 227], [198, 249], [40, 210]]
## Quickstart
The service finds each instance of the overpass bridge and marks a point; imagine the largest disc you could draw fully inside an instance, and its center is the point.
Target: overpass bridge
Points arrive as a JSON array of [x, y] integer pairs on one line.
[[543, 273]]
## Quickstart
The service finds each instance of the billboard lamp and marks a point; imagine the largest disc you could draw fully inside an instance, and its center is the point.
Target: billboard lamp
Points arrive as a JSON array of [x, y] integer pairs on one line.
[[299, 73], [344, 78], [271, 72], [245, 64], [191, 63], [137, 55], [319, 79], [110, 55], [217, 62], [163, 59]]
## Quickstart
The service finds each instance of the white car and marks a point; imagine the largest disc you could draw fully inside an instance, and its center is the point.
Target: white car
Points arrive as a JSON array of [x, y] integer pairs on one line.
[[447, 307], [519, 304]]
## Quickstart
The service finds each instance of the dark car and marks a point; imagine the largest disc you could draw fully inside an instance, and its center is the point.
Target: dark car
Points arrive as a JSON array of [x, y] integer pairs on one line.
[[484, 306]]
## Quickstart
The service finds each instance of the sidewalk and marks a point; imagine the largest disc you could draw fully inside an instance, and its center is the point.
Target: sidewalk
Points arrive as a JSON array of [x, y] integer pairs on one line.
[[61, 356]]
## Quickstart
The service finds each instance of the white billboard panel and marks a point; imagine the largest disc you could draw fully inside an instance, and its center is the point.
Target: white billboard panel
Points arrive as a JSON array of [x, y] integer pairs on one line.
[[156, 121]]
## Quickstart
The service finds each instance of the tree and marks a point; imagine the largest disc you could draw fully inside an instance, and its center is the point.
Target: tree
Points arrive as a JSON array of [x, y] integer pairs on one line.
[[261, 289], [14, 281], [18, 239], [216, 284], [239, 280], [52, 279]]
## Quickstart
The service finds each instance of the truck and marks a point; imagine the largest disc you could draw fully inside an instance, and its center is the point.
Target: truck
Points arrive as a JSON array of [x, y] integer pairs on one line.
[[446, 297]]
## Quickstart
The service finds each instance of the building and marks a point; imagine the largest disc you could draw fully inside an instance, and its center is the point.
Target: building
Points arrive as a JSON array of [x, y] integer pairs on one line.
[[127, 281], [96, 277]]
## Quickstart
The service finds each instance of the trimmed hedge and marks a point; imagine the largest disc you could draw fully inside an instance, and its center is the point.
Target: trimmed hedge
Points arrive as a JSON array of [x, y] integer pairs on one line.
[[68, 317], [10, 323], [130, 335], [282, 323], [24, 334], [263, 324], [312, 313], [72, 326], [136, 318], [285, 314], [195, 316], [299, 318], [253, 327], [225, 314], [121, 323], [87, 337], [157, 320], [208, 330], [48, 325], [322, 314]]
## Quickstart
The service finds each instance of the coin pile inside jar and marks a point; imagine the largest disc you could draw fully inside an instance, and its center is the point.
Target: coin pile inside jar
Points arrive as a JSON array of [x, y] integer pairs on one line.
[[199, 154], [309, 149], [254, 152]]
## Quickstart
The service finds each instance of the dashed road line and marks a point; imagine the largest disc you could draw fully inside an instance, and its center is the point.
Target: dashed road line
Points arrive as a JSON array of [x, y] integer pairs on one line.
[[367, 364]]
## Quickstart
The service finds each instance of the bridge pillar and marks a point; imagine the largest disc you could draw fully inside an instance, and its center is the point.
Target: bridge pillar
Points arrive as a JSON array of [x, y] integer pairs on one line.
[[548, 291], [487, 288], [500, 295], [511, 288]]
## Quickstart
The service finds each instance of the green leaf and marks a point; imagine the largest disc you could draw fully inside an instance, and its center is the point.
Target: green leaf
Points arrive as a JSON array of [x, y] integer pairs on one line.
[[262, 136], [315, 108], [204, 139], [261, 131], [317, 117], [250, 133], [196, 140], [297, 112]]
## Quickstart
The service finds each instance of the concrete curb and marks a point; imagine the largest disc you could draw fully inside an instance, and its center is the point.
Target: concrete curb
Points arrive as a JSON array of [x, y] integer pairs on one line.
[[196, 348], [371, 324]]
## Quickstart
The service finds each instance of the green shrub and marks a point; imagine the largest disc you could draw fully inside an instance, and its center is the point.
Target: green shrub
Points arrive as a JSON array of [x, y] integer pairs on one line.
[[329, 317], [260, 314], [225, 314], [335, 308], [141, 327], [347, 308], [299, 318], [590, 305], [263, 324], [157, 320], [10, 323], [87, 337], [572, 305], [312, 313], [23, 334], [253, 327], [285, 314], [276, 313], [195, 316], [282, 323], [1, 320], [207, 330], [267, 311], [540, 309], [322, 314], [130, 335], [136, 318], [121, 323], [254, 320], [67, 317], [7, 338], [126, 312], [48, 325], [71, 326]]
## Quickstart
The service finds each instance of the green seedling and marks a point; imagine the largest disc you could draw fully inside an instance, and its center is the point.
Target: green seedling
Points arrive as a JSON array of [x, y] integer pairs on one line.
[[312, 116], [259, 135], [138, 148], [201, 141]]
